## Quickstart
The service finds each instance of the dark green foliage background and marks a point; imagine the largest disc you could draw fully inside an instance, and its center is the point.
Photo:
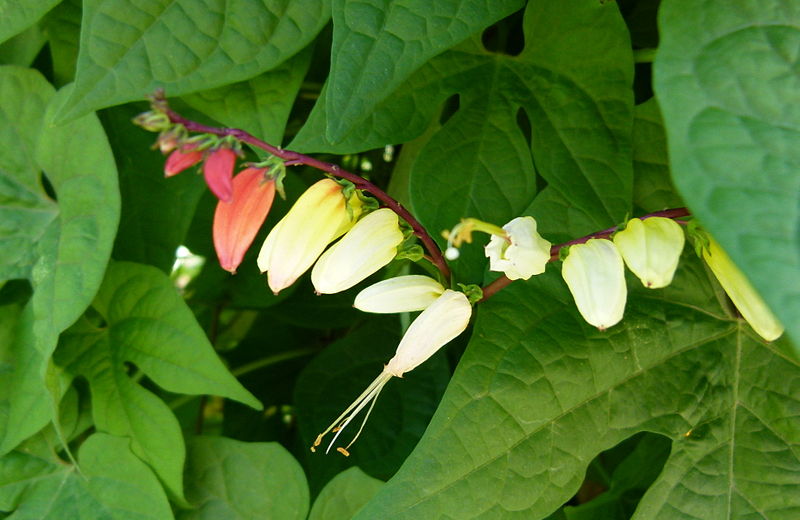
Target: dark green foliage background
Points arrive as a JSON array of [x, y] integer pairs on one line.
[[122, 397]]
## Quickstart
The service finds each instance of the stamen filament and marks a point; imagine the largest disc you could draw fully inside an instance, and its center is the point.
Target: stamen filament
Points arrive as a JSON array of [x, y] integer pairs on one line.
[[368, 396]]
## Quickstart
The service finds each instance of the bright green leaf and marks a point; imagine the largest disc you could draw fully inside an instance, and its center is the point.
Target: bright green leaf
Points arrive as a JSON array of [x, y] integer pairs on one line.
[[727, 83], [377, 44], [128, 49], [233, 480], [147, 324], [539, 393], [111, 484], [64, 245], [344, 495], [17, 16]]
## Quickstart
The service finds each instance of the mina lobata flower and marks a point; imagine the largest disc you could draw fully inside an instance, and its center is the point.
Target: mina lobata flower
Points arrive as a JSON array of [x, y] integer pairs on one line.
[[237, 222], [318, 217], [521, 253], [442, 321], [184, 157], [368, 246], [218, 172], [651, 249], [595, 274], [407, 293], [741, 292]]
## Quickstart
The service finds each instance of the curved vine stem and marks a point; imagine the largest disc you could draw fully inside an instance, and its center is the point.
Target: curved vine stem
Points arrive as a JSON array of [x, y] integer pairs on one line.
[[295, 158], [498, 284]]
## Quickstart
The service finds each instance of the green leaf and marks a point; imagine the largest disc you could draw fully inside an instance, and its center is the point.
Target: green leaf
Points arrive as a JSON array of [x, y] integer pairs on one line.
[[334, 378], [233, 480], [62, 26], [726, 81], [148, 325], [123, 42], [378, 44], [260, 105], [652, 185], [344, 495], [156, 211], [111, 484], [16, 16], [539, 393], [60, 246], [22, 48]]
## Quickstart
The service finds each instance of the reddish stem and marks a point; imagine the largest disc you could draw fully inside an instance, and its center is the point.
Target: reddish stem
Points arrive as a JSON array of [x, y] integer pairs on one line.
[[503, 281], [294, 158]]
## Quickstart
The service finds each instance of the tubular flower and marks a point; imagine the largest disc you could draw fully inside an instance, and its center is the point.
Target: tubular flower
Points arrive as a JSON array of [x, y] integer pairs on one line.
[[595, 275], [442, 321], [318, 217], [521, 253], [237, 222], [400, 294], [218, 172], [184, 157], [743, 295], [370, 245], [651, 249]]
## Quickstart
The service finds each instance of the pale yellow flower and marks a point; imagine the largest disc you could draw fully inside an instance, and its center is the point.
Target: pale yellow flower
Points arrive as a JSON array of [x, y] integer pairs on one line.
[[651, 249], [399, 294], [370, 245], [520, 252], [741, 292], [595, 274]]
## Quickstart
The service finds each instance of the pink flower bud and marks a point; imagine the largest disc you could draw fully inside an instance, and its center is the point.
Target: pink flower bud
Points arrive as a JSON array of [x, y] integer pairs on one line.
[[182, 158], [236, 223], [218, 172]]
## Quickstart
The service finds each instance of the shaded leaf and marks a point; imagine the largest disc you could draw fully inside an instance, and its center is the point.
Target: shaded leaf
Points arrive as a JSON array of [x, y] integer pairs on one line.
[[233, 480], [652, 184], [156, 211], [22, 48], [334, 378], [260, 105], [211, 44], [727, 85], [62, 26], [344, 495], [148, 325]]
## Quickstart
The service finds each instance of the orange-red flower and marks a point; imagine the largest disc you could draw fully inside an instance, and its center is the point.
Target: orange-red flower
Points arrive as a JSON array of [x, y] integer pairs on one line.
[[184, 157], [218, 172], [236, 223]]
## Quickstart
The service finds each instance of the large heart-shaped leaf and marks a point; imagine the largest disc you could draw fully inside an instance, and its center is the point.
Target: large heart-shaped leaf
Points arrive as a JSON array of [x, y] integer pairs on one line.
[[539, 393], [726, 79]]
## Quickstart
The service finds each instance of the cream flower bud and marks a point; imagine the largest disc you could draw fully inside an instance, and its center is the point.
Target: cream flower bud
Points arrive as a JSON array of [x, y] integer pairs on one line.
[[742, 293], [370, 245], [522, 253], [400, 294], [442, 321], [318, 217], [651, 249], [595, 275]]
